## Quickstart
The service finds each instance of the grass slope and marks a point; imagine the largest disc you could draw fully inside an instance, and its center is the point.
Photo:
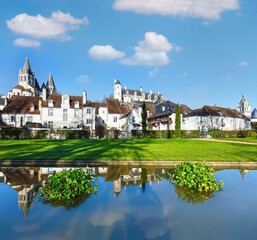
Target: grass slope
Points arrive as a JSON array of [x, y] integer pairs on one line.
[[129, 149]]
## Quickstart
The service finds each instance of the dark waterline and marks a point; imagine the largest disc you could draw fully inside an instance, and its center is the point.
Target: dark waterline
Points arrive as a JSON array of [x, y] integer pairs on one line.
[[131, 203]]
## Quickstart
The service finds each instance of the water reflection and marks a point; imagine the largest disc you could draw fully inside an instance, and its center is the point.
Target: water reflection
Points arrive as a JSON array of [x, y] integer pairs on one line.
[[26, 181]]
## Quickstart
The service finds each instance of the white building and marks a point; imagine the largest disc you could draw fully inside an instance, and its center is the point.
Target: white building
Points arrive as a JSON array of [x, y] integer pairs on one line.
[[130, 95], [215, 118]]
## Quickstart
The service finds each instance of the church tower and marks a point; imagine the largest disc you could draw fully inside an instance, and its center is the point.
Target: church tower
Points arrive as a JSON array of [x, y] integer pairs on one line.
[[244, 107], [117, 92], [50, 86], [26, 76]]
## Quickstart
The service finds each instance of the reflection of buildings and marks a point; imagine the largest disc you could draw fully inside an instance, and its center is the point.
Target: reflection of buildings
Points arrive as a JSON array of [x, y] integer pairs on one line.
[[26, 181], [244, 173]]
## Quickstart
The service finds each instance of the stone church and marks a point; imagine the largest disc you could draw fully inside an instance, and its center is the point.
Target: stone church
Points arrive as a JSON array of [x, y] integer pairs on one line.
[[28, 84]]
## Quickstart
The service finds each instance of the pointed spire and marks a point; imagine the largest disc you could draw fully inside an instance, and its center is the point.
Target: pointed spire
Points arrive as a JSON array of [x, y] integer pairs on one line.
[[25, 209], [50, 84], [26, 68], [43, 86]]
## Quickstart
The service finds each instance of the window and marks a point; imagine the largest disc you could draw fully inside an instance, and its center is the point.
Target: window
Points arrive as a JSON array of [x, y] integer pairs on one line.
[[88, 110], [76, 104], [133, 119], [76, 113], [89, 121], [30, 118], [114, 119], [50, 103], [50, 112], [163, 108], [12, 118], [65, 115], [32, 108], [65, 100], [21, 78]]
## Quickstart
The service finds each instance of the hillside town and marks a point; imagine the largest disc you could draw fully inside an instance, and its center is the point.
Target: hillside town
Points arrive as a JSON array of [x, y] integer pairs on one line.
[[29, 105]]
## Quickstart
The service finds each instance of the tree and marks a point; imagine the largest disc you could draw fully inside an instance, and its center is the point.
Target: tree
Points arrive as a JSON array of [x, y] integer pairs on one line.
[[178, 123], [144, 117]]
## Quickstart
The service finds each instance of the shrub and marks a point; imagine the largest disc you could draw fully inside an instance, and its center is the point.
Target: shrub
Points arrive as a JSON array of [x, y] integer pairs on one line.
[[74, 134], [68, 184], [196, 176]]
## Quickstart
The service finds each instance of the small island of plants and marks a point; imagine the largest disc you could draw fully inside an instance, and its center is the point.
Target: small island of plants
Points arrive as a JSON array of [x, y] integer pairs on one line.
[[68, 188], [196, 176]]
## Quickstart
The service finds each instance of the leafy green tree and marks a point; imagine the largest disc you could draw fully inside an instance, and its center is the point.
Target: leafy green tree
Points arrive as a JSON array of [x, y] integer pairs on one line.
[[144, 117], [178, 123]]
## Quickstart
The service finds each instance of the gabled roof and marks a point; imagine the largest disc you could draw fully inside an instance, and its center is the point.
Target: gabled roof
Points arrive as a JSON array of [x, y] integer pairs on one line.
[[95, 105], [57, 100], [115, 107], [2, 101], [216, 111], [165, 108], [185, 109], [21, 104]]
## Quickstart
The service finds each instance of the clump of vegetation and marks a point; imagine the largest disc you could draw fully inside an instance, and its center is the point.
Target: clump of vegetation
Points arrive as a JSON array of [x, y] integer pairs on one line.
[[68, 185], [197, 177]]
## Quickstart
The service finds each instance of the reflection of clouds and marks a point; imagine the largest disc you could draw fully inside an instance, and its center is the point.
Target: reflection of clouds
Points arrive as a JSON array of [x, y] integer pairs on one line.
[[108, 218], [243, 208], [26, 228], [152, 222]]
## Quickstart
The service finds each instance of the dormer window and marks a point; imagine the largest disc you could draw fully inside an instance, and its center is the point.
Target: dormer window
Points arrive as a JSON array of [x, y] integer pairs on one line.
[[163, 108], [50, 103], [65, 100], [32, 108], [76, 104]]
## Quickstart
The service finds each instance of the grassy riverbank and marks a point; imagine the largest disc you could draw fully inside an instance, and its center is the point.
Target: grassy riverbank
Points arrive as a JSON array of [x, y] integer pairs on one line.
[[129, 149]]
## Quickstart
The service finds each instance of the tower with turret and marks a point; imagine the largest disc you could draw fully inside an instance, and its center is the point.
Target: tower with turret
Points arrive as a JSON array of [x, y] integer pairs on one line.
[[117, 92], [244, 107]]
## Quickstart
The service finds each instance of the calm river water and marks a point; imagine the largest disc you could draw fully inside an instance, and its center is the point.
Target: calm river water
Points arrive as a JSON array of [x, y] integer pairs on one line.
[[131, 203]]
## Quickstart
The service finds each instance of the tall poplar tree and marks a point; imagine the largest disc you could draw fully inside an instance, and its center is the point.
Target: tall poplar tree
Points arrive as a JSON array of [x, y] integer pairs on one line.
[[144, 117], [177, 123]]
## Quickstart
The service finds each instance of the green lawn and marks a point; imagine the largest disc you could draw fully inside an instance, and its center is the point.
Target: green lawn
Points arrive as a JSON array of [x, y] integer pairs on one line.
[[247, 139], [129, 149]]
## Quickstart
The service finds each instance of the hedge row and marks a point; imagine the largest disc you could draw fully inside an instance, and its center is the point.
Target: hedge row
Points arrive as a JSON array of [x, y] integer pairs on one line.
[[16, 133], [165, 134], [233, 134], [74, 134]]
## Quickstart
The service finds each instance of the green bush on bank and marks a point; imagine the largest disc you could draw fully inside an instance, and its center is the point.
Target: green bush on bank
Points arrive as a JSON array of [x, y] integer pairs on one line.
[[74, 134], [20, 133], [233, 134], [196, 176]]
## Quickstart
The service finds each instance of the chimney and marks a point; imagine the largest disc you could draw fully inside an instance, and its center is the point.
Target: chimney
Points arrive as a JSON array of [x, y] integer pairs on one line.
[[150, 92], [141, 89], [44, 94], [85, 97], [125, 88], [158, 93], [5, 101], [40, 105], [114, 81]]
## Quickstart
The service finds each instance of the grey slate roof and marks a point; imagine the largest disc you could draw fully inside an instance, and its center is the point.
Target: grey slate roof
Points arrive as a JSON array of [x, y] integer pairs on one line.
[[26, 68], [170, 108], [2, 101], [117, 82], [50, 82], [254, 114], [139, 93]]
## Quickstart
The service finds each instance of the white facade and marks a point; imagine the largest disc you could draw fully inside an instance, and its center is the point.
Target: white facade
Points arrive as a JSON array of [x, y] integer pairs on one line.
[[19, 120]]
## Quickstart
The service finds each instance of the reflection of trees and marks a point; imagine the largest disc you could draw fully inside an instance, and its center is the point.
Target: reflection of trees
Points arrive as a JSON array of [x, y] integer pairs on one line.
[[74, 202], [143, 178], [192, 196]]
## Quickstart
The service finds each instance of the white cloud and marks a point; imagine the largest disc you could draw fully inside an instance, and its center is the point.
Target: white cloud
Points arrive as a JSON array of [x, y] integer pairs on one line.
[[107, 218], [206, 9], [153, 73], [185, 74], [243, 64], [106, 52], [152, 51], [83, 79], [39, 27], [25, 42], [228, 78]]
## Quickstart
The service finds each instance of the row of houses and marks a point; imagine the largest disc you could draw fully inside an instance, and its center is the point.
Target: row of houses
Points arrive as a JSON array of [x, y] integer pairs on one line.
[[45, 108]]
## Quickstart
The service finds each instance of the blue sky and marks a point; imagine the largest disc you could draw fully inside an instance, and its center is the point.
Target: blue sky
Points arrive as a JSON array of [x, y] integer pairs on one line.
[[197, 52]]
